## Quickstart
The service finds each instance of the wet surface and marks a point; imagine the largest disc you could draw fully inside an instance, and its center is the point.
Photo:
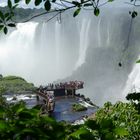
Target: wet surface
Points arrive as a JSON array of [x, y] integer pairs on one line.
[[63, 107], [63, 110]]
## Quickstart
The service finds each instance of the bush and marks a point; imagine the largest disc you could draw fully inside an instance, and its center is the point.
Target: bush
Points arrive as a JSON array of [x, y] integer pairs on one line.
[[14, 84], [78, 107]]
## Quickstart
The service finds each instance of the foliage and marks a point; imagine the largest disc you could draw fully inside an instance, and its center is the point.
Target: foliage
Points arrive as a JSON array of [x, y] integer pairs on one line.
[[17, 122], [112, 122], [7, 17], [14, 84], [123, 120], [135, 99], [78, 107]]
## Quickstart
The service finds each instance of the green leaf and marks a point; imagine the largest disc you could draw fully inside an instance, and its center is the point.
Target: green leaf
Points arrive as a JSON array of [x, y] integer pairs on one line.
[[2, 109], [96, 11], [106, 123], [109, 136], [53, 0], [88, 4], [110, 0], [27, 1], [138, 61], [27, 130], [121, 131], [76, 12], [92, 124], [37, 2], [9, 4], [15, 6], [78, 132], [5, 30], [81, 133], [1, 27], [3, 126], [6, 15], [47, 5], [25, 114], [1, 15], [8, 18], [134, 14], [76, 3], [11, 25], [16, 1]]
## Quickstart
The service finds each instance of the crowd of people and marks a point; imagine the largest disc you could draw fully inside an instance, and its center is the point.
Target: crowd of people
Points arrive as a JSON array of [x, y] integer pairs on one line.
[[63, 85], [50, 100]]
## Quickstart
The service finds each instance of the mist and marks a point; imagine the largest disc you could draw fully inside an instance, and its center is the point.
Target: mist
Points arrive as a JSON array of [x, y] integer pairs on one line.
[[86, 48]]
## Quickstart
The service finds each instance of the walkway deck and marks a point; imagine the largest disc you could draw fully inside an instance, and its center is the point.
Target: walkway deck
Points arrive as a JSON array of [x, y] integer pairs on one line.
[[58, 90]]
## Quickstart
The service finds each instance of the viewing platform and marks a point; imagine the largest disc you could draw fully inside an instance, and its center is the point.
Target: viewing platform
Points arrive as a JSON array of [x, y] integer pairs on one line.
[[51, 91], [61, 89]]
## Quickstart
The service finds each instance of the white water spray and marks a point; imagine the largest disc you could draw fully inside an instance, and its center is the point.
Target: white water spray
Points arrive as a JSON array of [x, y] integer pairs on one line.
[[84, 48], [84, 36]]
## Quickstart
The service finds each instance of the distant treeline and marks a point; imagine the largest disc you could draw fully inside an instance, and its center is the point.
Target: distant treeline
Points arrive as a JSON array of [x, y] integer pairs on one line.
[[15, 84], [21, 14]]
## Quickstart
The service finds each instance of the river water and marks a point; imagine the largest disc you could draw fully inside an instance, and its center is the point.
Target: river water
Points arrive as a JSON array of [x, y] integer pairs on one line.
[[63, 107]]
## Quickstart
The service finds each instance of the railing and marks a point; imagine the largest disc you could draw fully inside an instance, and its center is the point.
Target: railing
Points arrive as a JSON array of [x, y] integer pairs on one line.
[[66, 85]]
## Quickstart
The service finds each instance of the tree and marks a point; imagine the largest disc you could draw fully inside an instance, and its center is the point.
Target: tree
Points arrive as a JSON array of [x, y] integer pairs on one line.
[[1, 76], [6, 18]]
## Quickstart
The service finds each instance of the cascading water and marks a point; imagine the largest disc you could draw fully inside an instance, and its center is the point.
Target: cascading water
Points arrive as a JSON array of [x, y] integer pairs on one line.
[[83, 42], [99, 33], [84, 48]]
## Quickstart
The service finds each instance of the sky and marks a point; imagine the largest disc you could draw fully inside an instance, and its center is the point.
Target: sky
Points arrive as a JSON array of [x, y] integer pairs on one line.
[[31, 5]]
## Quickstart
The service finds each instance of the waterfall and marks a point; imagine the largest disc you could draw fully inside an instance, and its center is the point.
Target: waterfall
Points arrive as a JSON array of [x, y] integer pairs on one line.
[[16, 50], [108, 33], [57, 43], [84, 31], [99, 33], [84, 48]]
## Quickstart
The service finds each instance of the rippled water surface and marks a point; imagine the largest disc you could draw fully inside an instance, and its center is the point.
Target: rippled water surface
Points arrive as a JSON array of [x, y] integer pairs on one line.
[[63, 107]]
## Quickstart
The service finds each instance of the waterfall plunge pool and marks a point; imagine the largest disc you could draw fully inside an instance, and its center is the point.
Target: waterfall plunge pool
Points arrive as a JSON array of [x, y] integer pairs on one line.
[[63, 106]]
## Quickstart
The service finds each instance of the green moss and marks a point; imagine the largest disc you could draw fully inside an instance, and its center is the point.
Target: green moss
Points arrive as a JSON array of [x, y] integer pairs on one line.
[[14, 84], [78, 107]]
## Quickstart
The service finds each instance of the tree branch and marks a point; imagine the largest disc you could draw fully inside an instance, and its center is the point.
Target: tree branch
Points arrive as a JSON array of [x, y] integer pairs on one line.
[[137, 5], [134, 3], [53, 11], [53, 16], [102, 4]]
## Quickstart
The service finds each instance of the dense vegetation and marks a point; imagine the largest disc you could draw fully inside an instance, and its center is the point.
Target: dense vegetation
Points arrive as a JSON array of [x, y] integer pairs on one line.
[[135, 99], [21, 14], [14, 84], [120, 121], [78, 107]]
